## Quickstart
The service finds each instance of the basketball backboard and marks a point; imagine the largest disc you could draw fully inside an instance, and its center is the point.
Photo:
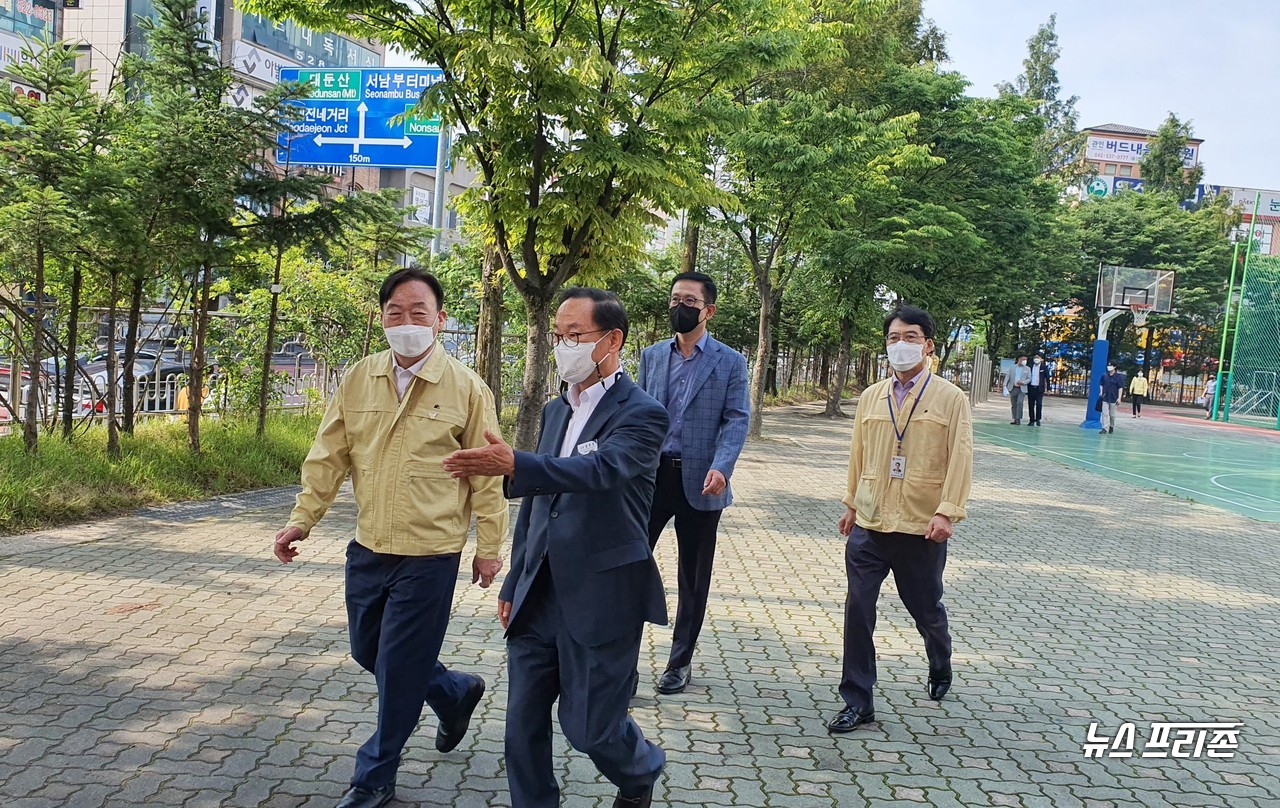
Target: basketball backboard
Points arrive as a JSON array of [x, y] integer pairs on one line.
[[1121, 287]]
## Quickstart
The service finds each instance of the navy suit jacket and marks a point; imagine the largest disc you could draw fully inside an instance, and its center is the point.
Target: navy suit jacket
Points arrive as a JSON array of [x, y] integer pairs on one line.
[[587, 516], [715, 415]]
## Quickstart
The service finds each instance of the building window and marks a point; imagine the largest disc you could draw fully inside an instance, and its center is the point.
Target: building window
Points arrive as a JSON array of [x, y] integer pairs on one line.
[[1126, 171], [1109, 169]]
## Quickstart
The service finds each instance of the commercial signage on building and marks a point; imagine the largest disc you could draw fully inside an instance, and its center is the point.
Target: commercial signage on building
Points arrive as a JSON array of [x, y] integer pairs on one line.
[[29, 18], [259, 63], [361, 117], [1109, 149], [1246, 197], [306, 47]]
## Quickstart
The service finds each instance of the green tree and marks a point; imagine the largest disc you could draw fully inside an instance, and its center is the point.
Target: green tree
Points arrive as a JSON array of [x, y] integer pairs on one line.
[[582, 120], [1163, 167], [790, 169], [1060, 145], [47, 147]]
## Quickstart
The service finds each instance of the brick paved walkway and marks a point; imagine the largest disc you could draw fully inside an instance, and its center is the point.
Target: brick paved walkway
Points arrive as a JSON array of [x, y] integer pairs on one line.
[[154, 660]]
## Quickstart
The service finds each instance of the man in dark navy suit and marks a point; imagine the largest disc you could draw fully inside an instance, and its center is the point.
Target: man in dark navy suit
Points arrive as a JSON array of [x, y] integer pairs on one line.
[[583, 581]]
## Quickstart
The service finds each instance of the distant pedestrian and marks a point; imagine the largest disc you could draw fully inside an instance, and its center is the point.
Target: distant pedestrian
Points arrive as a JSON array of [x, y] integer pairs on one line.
[[1138, 393], [1206, 398], [1037, 386], [1111, 392], [1015, 387]]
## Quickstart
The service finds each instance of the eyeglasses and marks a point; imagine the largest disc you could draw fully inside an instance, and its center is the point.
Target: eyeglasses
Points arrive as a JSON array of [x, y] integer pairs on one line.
[[912, 338], [571, 339], [688, 300]]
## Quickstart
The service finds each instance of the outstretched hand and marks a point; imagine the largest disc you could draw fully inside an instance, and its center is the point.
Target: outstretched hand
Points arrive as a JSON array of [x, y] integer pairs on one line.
[[497, 459]]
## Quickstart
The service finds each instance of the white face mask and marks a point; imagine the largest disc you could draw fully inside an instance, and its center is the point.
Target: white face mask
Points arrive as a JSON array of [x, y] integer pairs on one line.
[[904, 356], [1037, 360], [1022, 363], [575, 363], [1111, 369], [410, 340]]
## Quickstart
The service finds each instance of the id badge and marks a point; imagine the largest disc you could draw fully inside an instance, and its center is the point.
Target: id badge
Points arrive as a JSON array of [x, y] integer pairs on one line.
[[898, 467]]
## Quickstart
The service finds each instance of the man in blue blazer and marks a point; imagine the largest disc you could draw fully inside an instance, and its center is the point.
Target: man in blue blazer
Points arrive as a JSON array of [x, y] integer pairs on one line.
[[583, 581], [703, 385]]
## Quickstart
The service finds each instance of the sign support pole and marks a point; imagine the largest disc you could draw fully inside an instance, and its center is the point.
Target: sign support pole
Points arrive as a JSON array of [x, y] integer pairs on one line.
[[437, 212]]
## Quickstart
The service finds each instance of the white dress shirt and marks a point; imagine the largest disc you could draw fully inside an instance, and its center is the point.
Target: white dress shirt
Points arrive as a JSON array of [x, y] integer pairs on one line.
[[584, 403], [404, 376]]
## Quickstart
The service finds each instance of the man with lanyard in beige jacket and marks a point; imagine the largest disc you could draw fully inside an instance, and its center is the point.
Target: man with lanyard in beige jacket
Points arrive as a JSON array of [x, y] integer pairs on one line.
[[394, 419], [910, 469]]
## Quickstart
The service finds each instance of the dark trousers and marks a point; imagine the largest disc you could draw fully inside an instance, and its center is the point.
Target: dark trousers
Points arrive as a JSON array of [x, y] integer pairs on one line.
[[1137, 403], [917, 566], [594, 687], [696, 543], [1035, 404], [398, 610]]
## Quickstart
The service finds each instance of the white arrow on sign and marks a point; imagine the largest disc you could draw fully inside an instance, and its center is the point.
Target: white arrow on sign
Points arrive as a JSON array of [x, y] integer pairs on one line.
[[360, 140]]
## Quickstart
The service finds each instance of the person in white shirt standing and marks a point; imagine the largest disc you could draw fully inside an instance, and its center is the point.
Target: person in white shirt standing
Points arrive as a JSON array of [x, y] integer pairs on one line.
[[1015, 387]]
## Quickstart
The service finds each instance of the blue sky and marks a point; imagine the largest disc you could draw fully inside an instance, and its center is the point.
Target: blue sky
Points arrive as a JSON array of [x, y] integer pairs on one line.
[[1134, 62]]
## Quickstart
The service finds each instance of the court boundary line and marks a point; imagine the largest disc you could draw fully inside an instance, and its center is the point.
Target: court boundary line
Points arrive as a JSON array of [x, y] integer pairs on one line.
[[1142, 477]]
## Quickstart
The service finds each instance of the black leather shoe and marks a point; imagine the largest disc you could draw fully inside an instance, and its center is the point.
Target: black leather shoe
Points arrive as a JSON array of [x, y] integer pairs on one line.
[[358, 797], [674, 680], [642, 801], [451, 733], [939, 684], [850, 718]]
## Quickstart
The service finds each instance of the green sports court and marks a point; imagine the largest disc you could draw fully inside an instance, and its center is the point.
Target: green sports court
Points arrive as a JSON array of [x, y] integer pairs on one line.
[[1175, 451]]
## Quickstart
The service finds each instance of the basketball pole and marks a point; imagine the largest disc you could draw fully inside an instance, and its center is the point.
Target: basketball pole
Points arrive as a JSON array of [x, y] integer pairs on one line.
[[1101, 349], [1235, 338], [1226, 326]]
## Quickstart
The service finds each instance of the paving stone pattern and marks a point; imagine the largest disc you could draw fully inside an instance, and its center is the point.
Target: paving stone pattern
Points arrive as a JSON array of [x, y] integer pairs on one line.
[[165, 660]]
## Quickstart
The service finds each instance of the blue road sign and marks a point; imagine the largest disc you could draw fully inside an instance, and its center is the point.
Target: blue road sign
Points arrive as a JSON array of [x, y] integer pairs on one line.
[[350, 118]]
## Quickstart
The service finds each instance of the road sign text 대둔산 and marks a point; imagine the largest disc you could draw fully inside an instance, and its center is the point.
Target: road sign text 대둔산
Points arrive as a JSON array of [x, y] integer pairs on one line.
[[359, 117]]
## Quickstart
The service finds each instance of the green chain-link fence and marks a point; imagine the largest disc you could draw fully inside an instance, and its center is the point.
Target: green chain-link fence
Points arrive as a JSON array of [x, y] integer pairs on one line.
[[1251, 392]]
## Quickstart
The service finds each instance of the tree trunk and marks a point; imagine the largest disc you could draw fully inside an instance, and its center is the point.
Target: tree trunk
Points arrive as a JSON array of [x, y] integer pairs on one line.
[[113, 426], [824, 374], [489, 329], [131, 352], [771, 373], [200, 330], [533, 390], [30, 420], [13, 396], [73, 336], [836, 390], [764, 355], [264, 385], [692, 232]]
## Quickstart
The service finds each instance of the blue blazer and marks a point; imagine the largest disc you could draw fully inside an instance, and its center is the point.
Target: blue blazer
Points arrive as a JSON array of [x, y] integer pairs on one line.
[[715, 415], [587, 516]]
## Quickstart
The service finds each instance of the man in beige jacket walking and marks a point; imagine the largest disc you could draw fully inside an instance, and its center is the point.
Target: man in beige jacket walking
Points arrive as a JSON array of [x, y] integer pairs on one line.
[[910, 469]]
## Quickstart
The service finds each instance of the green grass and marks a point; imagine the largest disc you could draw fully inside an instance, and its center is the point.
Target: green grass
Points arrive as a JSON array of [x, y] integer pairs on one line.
[[74, 482]]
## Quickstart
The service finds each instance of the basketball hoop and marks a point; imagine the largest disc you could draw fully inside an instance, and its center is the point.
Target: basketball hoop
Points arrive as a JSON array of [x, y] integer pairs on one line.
[[1140, 313]]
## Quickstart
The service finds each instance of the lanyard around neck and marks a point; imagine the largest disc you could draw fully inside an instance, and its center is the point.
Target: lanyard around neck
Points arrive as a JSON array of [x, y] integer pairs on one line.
[[902, 433]]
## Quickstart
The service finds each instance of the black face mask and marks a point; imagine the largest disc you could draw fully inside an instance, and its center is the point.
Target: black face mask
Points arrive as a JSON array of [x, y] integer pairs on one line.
[[683, 318]]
